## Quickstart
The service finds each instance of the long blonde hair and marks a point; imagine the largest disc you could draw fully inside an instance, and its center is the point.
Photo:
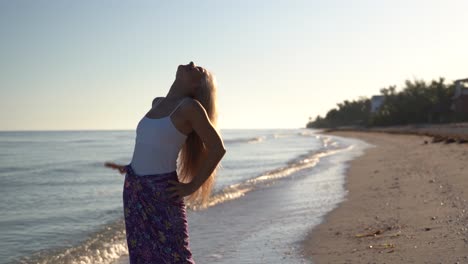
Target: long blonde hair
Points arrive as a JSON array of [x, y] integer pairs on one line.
[[194, 152]]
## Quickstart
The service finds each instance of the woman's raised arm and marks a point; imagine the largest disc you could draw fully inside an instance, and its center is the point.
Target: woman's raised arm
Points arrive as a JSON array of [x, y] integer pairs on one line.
[[200, 122]]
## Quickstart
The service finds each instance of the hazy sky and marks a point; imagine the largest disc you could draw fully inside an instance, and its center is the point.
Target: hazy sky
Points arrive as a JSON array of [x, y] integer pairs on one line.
[[99, 64]]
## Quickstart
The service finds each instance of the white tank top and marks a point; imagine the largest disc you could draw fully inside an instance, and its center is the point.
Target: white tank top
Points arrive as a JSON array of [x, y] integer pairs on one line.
[[157, 145]]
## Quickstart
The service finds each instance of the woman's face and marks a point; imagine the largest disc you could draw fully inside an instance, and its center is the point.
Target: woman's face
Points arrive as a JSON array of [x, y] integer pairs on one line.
[[190, 74]]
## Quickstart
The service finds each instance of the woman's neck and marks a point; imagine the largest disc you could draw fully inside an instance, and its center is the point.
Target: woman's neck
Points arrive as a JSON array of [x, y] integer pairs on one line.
[[177, 91]]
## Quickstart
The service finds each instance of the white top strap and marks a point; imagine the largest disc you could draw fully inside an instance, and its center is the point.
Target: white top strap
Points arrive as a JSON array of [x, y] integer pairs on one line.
[[181, 101]]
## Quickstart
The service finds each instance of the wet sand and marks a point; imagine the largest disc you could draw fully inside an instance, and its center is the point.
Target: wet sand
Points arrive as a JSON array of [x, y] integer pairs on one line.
[[407, 203]]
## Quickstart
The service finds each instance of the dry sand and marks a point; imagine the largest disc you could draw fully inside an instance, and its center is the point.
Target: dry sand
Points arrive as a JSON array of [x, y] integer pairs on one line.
[[412, 196]]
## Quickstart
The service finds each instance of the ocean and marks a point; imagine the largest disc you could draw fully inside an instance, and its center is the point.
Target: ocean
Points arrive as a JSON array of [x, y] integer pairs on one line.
[[59, 204]]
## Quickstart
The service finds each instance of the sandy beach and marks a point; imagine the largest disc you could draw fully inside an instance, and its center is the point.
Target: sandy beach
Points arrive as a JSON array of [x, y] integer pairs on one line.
[[407, 203]]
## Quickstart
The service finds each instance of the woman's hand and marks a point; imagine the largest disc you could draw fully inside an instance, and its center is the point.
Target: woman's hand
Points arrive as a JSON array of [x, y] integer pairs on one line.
[[180, 189], [114, 166]]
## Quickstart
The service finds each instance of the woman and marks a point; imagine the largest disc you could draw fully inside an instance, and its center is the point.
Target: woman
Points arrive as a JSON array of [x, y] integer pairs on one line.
[[177, 138]]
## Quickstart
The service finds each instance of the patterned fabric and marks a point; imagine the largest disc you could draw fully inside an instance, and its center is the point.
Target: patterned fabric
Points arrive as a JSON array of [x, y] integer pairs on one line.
[[155, 224]]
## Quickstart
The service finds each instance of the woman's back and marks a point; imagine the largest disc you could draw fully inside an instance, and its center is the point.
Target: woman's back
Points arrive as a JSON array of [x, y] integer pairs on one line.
[[157, 144]]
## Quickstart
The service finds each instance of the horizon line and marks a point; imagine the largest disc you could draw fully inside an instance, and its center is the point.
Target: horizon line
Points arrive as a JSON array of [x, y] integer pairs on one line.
[[129, 129]]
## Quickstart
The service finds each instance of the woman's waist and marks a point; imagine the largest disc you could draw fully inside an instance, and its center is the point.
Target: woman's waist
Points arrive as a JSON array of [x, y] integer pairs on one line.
[[152, 186], [170, 174], [153, 166]]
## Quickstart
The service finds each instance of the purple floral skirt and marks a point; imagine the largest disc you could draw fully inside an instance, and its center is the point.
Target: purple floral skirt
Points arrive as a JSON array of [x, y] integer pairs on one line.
[[155, 224]]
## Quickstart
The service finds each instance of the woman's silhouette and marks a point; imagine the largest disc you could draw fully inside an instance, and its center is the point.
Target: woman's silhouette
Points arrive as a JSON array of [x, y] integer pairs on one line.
[[177, 152]]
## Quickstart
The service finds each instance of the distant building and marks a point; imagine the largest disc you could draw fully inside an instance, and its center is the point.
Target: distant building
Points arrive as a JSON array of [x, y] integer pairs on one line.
[[376, 102], [460, 98]]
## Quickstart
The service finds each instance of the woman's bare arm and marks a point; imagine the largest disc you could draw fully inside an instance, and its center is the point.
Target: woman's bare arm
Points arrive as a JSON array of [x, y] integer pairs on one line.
[[200, 122], [202, 126]]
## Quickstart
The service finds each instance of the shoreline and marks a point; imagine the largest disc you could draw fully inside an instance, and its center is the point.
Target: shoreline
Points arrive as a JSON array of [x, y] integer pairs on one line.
[[405, 204], [447, 133]]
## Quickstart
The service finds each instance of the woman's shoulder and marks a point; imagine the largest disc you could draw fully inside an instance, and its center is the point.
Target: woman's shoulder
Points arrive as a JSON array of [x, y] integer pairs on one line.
[[187, 102], [157, 99], [193, 107], [191, 103]]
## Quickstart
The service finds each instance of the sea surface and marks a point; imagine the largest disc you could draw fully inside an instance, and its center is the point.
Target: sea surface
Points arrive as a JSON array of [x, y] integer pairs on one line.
[[59, 204]]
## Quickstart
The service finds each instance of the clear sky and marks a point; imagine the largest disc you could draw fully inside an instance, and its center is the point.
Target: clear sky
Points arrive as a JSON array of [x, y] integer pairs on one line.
[[99, 64]]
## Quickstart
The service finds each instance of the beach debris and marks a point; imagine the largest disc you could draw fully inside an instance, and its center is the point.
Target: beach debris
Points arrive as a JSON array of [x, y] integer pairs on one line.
[[395, 235], [377, 232], [382, 246], [449, 140]]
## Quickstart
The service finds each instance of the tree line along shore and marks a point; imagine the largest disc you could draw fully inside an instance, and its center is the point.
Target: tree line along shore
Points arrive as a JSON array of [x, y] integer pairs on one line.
[[436, 109]]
